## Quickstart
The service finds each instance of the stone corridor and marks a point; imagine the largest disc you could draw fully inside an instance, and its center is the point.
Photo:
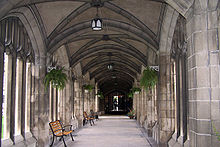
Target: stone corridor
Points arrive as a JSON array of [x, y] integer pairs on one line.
[[155, 60], [109, 131]]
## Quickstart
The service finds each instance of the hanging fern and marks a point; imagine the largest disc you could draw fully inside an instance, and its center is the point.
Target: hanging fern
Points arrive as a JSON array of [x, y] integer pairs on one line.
[[136, 89], [149, 78], [130, 94], [88, 87], [57, 78], [100, 95]]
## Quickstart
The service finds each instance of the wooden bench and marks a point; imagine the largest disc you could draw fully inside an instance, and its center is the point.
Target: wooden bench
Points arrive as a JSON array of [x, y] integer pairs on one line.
[[58, 130], [88, 119]]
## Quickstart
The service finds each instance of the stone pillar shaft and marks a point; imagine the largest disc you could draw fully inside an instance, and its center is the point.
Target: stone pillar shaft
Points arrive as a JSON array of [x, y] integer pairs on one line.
[[1, 85], [203, 72]]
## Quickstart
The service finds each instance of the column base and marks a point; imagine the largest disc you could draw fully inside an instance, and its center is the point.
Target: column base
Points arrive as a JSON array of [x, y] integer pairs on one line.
[[28, 135], [18, 139], [186, 143], [180, 140], [7, 142]]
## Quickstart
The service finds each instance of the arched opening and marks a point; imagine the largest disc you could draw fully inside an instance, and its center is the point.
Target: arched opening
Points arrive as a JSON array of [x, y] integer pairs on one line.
[[178, 38]]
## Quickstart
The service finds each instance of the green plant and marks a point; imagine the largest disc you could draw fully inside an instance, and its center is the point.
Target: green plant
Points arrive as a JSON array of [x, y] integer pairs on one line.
[[216, 132], [100, 95], [135, 89], [130, 94], [56, 77], [131, 113], [149, 78], [88, 87], [132, 91]]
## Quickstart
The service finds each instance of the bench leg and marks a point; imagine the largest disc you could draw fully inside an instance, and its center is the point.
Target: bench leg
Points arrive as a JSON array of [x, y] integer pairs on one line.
[[90, 122], [71, 136], [84, 122], [52, 142], [64, 142]]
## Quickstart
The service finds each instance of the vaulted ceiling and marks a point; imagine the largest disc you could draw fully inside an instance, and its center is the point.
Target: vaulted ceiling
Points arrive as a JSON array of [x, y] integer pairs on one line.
[[129, 38]]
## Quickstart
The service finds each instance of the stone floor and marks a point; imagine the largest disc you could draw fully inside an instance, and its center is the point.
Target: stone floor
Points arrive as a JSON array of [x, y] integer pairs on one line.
[[109, 131]]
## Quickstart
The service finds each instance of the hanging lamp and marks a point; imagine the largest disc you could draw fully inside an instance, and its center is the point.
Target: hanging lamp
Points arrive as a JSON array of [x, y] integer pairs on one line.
[[96, 23]]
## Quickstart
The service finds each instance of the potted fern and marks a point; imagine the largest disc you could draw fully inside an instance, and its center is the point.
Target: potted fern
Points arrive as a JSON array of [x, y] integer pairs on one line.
[[100, 95], [131, 114], [88, 88], [130, 94], [136, 90], [149, 78], [56, 77]]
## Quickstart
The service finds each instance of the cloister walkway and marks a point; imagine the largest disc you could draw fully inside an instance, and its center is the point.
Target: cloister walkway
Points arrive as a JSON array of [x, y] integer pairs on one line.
[[110, 131]]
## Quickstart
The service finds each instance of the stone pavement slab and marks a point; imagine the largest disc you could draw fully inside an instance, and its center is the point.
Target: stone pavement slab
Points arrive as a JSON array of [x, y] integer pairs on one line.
[[109, 131]]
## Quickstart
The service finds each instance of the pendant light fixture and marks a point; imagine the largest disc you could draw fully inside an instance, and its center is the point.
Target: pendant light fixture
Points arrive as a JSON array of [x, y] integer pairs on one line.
[[110, 65], [96, 23]]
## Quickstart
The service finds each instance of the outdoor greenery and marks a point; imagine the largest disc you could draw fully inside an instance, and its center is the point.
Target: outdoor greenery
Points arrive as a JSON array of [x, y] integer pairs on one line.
[[132, 91], [88, 87], [135, 89], [130, 94], [131, 113], [100, 95], [57, 78], [217, 133], [149, 78]]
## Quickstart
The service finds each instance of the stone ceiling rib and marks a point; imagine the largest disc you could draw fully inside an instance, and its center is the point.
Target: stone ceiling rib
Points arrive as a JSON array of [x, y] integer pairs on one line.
[[126, 63], [117, 67], [99, 61], [75, 30], [104, 47], [131, 17]]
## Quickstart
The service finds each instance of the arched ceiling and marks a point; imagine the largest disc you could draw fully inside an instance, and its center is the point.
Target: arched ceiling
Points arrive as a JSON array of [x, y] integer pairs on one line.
[[129, 39]]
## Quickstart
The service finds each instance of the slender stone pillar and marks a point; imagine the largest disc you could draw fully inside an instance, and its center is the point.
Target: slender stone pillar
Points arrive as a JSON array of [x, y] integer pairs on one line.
[[18, 100], [142, 110], [28, 99], [166, 116], [203, 72], [13, 85], [23, 97], [41, 104], [1, 84], [78, 102], [138, 108], [96, 99], [7, 129], [68, 103], [135, 103]]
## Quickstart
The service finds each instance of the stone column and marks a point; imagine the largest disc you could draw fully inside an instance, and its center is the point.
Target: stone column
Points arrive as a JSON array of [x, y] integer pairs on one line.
[[78, 105], [135, 103], [41, 104], [12, 88], [148, 122], [142, 110], [138, 108], [23, 97], [166, 117], [18, 101], [68, 103], [96, 99], [203, 73], [7, 120], [28, 100], [1, 84]]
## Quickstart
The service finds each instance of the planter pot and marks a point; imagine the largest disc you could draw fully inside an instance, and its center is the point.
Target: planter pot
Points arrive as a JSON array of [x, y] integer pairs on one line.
[[86, 91], [136, 92]]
